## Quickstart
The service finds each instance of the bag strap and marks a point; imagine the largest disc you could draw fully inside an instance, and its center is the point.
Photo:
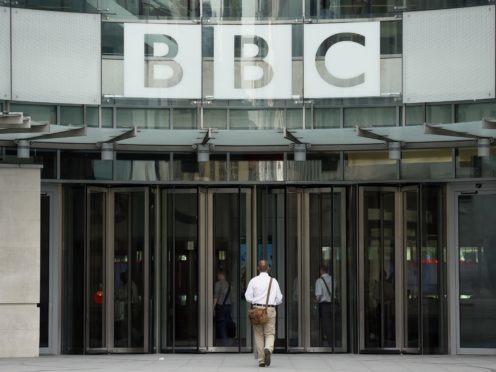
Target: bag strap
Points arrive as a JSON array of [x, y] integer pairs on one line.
[[227, 294], [268, 293], [328, 291]]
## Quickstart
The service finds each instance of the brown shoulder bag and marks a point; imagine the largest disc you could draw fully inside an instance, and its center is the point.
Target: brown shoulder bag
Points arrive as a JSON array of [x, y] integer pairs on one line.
[[258, 315]]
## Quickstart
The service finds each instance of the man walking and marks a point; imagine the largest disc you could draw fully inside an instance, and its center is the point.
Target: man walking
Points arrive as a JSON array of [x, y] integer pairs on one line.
[[256, 294]]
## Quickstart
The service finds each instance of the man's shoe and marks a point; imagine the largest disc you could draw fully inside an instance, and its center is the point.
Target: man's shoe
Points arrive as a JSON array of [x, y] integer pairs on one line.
[[261, 365], [267, 357]]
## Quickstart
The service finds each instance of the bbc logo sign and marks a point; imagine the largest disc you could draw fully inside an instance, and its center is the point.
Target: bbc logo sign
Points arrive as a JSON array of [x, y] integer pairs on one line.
[[251, 61]]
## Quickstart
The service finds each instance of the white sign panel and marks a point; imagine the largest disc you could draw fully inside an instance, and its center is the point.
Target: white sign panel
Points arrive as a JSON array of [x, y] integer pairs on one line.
[[56, 57], [449, 54], [342, 60], [4, 53], [252, 61], [162, 61]]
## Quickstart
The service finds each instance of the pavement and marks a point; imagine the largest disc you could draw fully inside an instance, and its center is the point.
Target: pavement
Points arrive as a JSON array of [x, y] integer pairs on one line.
[[246, 363]]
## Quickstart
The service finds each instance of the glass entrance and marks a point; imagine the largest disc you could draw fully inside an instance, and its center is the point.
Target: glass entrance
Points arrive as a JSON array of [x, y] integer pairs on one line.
[[117, 270], [389, 260], [401, 270], [477, 276]]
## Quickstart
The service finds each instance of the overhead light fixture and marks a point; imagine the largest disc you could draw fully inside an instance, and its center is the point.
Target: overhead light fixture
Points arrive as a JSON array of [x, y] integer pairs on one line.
[[23, 149], [394, 150], [483, 147], [300, 152], [107, 149], [203, 153]]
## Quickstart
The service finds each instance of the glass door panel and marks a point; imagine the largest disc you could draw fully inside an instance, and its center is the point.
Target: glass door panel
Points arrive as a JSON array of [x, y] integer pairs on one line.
[[96, 301], [411, 270], [182, 286], [477, 276], [230, 212], [271, 246], [129, 261], [377, 262], [293, 295]]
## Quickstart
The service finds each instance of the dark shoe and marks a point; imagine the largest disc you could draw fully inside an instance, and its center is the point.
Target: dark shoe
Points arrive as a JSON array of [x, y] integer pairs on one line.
[[261, 365], [267, 357]]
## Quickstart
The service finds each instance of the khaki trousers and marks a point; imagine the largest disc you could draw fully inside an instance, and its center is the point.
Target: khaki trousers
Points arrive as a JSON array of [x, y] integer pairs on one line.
[[265, 334]]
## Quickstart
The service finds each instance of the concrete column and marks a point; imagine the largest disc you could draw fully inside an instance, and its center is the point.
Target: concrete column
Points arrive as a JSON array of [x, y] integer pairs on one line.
[[19, 260]]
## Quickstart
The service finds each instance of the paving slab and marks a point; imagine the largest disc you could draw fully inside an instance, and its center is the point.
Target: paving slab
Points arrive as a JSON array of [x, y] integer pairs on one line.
[[246, 363]]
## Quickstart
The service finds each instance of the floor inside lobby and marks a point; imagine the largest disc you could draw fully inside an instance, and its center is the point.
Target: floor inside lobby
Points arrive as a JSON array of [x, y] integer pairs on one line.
[[246, 362]]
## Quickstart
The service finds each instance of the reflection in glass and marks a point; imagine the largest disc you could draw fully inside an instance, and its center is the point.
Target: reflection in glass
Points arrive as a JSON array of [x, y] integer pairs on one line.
[[474, 111], [71, 115], [437, 114], [180, 278], [97, 336], [326, 118], [226, 241], [271, 245], [327, 269], [187, 168], [369, 165], [477, 259], [411, 267], [469, 164], [142, 167], [256, 119], [129, 269], [257, 167], [184, 119], [370, 117], [143, 118], [41, 113], [293, 258], [379, 270], [317, 167], [427, 164]]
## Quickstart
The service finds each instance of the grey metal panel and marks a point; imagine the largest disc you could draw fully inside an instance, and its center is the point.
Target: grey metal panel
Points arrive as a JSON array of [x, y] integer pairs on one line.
[[56, 57], [5, 78], [449, 55]]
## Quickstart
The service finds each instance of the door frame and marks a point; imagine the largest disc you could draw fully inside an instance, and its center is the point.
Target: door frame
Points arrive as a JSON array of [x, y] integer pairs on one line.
[[453, 192], [55, 266], [206, 263], [400, 321], [305, 267], [108, 266]]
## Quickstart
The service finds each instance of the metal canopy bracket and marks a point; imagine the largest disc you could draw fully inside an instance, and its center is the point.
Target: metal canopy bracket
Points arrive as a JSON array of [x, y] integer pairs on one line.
[[14, 120], [291, 137], [439, 131], [369, 134], [126, 135]]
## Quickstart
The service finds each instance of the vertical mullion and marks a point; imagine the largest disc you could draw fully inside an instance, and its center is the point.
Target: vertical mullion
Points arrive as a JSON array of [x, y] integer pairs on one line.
[[420, 237], [333, 276], [381, 271], [173, 279]]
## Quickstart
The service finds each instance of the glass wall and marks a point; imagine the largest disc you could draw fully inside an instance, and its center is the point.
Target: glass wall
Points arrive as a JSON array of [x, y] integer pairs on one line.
[[477, 279]]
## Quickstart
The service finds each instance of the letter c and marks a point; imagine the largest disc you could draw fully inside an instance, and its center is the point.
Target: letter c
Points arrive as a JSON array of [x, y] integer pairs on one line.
[[320, 60]]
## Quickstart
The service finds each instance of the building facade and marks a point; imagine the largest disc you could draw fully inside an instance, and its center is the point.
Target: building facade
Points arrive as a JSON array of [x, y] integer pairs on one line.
[[185, 139]]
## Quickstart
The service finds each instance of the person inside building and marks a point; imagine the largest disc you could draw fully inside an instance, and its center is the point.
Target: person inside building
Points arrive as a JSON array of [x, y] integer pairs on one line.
[[222, 307], [324, 296]]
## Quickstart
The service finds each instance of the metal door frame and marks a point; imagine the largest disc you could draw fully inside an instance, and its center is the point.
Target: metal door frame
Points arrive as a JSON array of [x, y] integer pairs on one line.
[[306, 282], [400, 321], [55, 265], [108, 289], [453, 193], [206, 263]]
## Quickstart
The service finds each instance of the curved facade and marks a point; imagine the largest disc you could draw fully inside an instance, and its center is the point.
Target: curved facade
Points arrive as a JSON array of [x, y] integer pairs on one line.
[[182, 139]]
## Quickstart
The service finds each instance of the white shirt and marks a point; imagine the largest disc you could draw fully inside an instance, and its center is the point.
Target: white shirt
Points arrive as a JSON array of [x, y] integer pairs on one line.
[[256, 293], [321, 291]]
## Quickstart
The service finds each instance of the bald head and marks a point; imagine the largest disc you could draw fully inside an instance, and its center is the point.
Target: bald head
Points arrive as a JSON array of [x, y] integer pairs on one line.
[[263, 266]]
